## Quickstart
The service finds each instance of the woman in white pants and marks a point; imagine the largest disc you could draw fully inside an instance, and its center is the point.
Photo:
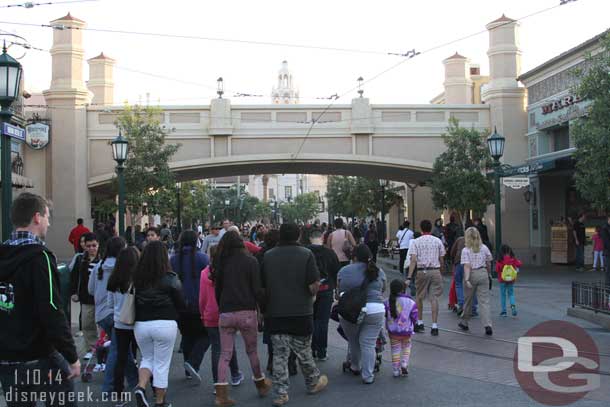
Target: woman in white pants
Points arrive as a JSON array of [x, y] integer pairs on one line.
[[158, 302]]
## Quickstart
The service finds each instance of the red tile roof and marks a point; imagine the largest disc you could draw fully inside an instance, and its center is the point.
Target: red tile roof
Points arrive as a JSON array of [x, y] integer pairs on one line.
[[102, 56], [68, 17]]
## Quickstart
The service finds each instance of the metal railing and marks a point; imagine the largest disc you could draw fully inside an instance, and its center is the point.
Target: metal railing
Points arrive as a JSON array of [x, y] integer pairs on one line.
[[592, 296]]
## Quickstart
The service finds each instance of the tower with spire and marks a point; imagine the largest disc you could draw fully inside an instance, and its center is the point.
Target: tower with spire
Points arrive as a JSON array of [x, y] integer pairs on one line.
[[285, 91]]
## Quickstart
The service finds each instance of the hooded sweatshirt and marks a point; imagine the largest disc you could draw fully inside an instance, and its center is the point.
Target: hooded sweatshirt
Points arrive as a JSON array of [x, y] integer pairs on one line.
[[328, 265], [406, 316], [31, 314], [99, 289], [208, 307], [506, 260]]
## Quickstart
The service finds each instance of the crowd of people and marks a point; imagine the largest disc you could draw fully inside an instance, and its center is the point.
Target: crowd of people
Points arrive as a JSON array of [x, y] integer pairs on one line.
[[141, 295]]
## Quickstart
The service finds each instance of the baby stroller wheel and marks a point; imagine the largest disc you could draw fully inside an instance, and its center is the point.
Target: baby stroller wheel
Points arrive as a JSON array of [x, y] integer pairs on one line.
[[346, 367]]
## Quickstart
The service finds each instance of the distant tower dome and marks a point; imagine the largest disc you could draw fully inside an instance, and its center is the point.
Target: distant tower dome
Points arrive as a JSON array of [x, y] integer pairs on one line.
[[285, 91]]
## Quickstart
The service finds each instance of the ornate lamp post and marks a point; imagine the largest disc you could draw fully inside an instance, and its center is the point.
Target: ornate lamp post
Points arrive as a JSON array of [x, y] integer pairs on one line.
[[495, 143], [120, 149], [10, 78], [220, 87], [383, 183]]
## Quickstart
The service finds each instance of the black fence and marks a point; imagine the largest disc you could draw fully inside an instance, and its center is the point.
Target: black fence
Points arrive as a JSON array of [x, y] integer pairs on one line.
[[593, 296]]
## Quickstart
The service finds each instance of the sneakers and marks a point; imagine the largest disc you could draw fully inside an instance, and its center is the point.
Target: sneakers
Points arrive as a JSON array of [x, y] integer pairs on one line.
[[280, 400], [396, 372], [434, 331], [488, 331], [513, 310], [503, 314], [418, 328], [88, 355], [140, 397], [463, 326], [236, 380], [404, 371], [474, 313], [321, 385], [321, 356], [190, 370], [100, 367]]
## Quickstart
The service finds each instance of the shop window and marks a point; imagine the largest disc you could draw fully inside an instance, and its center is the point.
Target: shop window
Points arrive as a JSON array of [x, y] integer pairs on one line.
[[288, 191], [271, 193], [561, 139]]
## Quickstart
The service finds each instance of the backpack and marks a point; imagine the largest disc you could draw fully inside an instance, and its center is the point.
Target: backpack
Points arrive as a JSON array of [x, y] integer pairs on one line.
[[509, 274], [347, 247], [352, 301]]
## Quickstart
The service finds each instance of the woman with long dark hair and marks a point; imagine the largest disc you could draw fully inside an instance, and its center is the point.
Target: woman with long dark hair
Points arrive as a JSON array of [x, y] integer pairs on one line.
[[119, 283], [104, 314], [238, 291], [158, 303], [362, 337], [187, 263]]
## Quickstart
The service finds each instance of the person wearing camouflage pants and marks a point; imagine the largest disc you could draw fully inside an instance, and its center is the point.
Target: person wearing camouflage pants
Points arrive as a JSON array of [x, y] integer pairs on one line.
[[301, 346]]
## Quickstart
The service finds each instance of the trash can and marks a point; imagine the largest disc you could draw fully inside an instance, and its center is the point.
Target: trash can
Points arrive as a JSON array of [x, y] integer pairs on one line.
[[64, 288]]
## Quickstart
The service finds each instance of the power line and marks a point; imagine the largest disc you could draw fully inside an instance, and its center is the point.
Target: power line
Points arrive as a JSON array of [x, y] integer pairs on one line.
[[414, 53], [31, 4], [212, 39]]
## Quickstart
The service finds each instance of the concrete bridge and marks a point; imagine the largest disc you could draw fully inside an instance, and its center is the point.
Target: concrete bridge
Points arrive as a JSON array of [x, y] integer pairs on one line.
[[397, 142]]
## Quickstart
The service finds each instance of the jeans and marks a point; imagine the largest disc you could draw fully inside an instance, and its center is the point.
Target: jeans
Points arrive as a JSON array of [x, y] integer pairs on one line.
[[214, 342], [507, 289], [374, 246], [125, 366], [246, 323], [580, 256], [321, 316], [362, 339], [193, 348], [607, 256], [131, 372], [459, 287], [24, 383]]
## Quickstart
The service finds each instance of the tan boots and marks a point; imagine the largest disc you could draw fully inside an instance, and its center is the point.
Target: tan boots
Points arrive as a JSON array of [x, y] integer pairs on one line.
[[222, 396], [263, 385]]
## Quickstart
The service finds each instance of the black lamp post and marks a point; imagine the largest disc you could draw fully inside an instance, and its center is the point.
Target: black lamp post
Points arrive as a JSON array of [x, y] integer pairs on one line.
[[495, 143], [383, 184], [120, 149], [220, 87], [10, 79]]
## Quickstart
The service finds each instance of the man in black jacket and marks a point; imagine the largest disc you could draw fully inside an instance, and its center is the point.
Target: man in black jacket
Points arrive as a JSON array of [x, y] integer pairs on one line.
[[37, 352], [328, 266], [605, 235], [291, 281]]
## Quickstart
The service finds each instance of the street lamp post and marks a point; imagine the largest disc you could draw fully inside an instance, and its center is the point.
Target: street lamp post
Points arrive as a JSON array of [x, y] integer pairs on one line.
[[120, 148], [10, 78], [227, 202], [495, 143], [179, 203], [383, 183]]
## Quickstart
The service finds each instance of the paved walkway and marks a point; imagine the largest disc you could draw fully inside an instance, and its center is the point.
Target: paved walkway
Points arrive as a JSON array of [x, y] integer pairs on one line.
[[453, 369]]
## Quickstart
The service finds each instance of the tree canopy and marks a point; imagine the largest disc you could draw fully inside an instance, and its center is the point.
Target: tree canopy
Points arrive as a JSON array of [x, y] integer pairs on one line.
[[458, 181], [358, 196], [591, 134], [304, 208]]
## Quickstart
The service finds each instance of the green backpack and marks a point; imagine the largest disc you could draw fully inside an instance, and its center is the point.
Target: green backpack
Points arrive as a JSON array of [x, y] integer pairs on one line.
[[509, 273]]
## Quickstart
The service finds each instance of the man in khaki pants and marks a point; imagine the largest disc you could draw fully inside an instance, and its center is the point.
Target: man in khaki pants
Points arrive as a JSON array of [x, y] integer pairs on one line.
[[476, 259]]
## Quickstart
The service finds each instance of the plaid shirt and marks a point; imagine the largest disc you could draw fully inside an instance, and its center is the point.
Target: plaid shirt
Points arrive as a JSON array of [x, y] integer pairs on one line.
[[23, 237]]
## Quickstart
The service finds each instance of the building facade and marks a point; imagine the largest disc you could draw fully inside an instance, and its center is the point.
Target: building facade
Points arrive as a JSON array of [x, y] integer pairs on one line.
[[552, 107]]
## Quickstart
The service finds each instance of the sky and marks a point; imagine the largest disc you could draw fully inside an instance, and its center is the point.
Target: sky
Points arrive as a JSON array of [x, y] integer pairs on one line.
[[192, 66]]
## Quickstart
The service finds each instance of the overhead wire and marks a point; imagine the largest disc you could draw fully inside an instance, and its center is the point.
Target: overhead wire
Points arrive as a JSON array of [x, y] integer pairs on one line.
[[32, 4]]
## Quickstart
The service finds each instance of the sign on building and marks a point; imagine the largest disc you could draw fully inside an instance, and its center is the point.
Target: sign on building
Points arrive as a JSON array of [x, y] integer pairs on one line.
[[37, 135], [13, 131], [516, 182]]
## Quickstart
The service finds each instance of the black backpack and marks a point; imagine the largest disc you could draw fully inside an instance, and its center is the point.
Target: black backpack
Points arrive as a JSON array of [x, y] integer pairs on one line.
[[352, 301]]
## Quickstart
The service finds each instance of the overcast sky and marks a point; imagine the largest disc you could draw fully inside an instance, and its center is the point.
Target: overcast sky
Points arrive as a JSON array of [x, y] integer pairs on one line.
[[381, 25]]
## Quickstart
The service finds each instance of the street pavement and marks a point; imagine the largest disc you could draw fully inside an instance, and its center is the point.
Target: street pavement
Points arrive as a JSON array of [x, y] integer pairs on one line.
[[453, 369]]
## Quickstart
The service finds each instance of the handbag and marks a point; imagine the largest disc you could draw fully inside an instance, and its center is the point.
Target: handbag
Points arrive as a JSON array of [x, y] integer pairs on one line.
[[128, 308], [352, 301]]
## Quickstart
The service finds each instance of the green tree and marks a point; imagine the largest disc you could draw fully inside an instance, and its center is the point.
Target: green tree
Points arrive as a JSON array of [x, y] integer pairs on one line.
[[262, 210], [591, 133], [148, 177], [302, 210], [458, 181], [358, 196]]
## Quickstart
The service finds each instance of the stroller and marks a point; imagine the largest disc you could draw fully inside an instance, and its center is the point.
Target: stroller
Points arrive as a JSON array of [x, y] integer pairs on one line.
[[379, 345]]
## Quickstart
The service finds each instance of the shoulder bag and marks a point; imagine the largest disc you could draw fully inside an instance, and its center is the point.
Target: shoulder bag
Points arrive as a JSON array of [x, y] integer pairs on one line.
[[352, 301], [128, 309]]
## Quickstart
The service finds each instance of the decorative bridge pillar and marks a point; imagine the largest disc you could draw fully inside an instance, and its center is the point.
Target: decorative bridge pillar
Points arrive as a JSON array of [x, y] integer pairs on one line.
[[221, 126], [361, 126]]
